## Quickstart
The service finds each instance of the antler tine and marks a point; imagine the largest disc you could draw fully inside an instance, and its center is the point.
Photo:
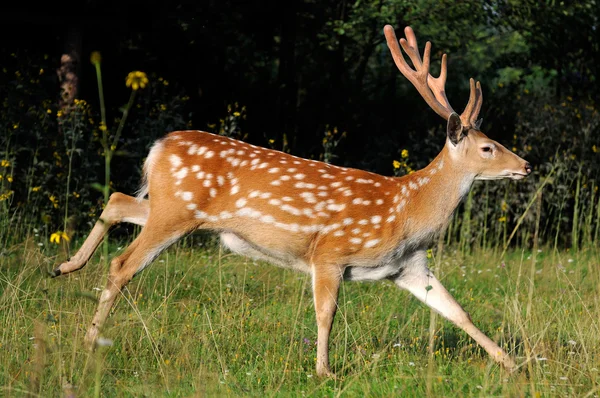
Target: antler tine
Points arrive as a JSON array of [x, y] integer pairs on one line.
[[478, 103], [438, 84], [466, 116], [418, 76], [410, 47]]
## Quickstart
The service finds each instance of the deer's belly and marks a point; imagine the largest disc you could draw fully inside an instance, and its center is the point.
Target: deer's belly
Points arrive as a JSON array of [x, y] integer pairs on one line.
[[358, 273], [241, 246]]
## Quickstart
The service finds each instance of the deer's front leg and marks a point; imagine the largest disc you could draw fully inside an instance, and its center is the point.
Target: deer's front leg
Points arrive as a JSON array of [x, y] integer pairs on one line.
[[326, 285], [421, 282]]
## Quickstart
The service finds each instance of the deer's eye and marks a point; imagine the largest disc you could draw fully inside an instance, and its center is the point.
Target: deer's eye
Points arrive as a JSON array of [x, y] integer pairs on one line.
[[486, 149]]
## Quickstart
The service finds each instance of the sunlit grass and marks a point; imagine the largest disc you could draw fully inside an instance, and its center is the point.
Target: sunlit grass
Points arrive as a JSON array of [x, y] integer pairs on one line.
[[202, 321]]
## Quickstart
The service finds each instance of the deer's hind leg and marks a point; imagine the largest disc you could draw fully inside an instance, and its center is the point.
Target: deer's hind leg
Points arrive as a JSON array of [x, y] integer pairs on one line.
[[120, 208], [156, 236]]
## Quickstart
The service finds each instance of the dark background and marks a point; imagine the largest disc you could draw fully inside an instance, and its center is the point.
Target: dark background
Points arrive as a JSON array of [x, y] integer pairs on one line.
[[302, 68]]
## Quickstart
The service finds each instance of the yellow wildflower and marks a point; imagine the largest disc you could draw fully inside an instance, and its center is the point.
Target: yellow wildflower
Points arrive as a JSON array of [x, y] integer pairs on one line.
[[49, 111], [271, 141], [404, 154], [102, 126], [35, 189], [57, 236], [502, 219], [5, 163], [396, 164], [9, 179], [236, 114], [59, 113], [595, 148], [136, 80], [6, 195]]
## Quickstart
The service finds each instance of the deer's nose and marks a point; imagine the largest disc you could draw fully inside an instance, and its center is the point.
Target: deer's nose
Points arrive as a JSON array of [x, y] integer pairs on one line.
[[528, 167]]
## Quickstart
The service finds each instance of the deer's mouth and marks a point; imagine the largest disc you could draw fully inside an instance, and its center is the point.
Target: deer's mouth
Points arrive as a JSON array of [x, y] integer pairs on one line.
[[517, 176]]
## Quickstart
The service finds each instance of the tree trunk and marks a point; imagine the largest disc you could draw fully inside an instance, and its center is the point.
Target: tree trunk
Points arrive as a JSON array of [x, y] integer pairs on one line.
[[68, 72]]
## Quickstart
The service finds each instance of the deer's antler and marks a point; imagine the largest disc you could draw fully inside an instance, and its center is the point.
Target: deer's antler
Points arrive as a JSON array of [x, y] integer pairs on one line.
[[432, 89]]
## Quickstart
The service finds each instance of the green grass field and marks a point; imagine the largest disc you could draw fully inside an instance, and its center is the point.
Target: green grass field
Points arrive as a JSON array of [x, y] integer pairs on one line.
[[203, 322]]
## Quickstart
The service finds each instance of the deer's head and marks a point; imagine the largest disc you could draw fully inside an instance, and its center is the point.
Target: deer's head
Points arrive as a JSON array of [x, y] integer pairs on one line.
[[467, 146]]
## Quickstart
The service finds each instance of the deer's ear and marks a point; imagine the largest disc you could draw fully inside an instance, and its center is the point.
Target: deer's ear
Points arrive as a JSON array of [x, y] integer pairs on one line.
[[477, 125], [454, 129]]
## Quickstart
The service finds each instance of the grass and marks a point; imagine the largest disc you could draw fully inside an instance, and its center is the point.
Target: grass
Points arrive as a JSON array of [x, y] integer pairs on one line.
[[201, 321]]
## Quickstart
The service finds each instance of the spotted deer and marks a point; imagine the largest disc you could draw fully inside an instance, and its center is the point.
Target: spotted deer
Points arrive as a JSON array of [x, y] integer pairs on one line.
[[334, 223]]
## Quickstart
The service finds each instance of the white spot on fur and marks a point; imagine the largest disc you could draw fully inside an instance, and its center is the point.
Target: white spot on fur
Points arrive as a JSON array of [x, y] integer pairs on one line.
[[274, 170], [291, 209], [175, 160], [225, 215], [422, 180], [187, 196], [234, 189], [181, 173], [267, 219], [336, 207], [372, 242], [376, 219]]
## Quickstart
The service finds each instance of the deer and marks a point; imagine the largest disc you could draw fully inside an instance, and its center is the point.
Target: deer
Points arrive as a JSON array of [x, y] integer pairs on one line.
[[331, 222]]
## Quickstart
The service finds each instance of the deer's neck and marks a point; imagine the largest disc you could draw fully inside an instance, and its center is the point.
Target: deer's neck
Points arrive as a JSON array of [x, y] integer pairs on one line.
[[429, 197]]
